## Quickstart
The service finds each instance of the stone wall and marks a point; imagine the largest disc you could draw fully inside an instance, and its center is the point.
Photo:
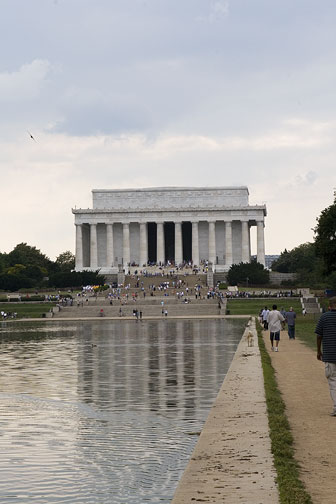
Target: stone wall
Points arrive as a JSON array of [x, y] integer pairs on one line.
[[276, 278]]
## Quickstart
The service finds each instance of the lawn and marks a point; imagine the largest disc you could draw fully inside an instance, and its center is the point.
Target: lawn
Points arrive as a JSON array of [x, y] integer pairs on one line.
[[248, 306], [304, 329], [291, 488], [26, 310]]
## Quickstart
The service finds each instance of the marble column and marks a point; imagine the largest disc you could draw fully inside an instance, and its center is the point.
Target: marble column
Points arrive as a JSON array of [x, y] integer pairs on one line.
[[109, 246], [212, 243], [93, 247], [260, 243], [143, 244], [195, 244], [126, 244], [79, 247], [160, 250], [245, 242], [228, 244], [178, 243]]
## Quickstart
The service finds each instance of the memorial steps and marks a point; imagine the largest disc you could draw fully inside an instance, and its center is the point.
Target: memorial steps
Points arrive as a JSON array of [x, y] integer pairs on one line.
[[150, 307]]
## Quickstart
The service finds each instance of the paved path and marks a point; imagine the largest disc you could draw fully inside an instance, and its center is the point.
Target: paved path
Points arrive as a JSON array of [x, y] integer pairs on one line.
[[232, 461], [305, 391]]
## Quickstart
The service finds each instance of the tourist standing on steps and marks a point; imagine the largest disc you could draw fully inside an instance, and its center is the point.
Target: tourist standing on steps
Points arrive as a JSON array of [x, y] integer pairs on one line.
[[326, 347], [274, 320], [290, 319]]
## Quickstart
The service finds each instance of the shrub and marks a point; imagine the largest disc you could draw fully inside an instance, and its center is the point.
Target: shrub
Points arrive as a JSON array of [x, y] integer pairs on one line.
[[252, 273]]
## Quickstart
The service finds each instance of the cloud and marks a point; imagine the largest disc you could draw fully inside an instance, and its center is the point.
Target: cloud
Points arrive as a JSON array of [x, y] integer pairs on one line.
[[25, 83], [218, 10]]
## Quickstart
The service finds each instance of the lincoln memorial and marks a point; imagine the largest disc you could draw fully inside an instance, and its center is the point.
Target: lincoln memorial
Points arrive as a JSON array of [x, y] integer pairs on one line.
[[167, 224]]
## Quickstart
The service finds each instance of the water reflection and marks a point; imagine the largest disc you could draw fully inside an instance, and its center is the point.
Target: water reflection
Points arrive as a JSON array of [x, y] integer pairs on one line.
[[101, 412]]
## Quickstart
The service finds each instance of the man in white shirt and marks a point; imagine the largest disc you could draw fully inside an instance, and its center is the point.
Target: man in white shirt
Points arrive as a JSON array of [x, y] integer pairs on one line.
[[264, 315], [274, 320]]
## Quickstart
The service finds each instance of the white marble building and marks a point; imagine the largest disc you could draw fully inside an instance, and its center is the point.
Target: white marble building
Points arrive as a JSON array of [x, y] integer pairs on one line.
[[176, 224]]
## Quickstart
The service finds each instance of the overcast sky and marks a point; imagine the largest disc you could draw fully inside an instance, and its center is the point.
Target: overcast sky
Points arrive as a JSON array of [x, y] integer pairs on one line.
[[145, 93]]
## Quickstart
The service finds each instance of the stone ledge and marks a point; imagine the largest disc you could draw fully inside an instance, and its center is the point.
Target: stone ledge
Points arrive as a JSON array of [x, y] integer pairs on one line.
[[232, 461]]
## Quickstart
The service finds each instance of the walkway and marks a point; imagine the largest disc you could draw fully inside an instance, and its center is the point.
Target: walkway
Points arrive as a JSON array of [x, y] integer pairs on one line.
[[305, 391]]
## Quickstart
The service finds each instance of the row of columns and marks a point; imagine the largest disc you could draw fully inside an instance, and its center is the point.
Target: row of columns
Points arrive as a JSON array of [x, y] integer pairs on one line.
[[161, 245]]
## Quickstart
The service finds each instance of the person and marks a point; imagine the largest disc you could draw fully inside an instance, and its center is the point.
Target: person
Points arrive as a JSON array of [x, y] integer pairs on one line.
[[290, 317], [326, 347], [264, 315], [274, 320]]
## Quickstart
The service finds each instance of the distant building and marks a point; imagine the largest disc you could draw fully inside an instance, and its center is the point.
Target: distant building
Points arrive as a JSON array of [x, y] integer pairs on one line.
[[269, 259]]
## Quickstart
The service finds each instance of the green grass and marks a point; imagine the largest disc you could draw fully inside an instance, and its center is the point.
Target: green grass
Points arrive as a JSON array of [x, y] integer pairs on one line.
[[291, 488], [26, 310], [304, 329], [248, 306]]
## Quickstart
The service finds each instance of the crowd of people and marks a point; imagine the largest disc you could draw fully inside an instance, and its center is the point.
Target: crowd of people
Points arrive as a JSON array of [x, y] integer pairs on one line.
[[275, 321]]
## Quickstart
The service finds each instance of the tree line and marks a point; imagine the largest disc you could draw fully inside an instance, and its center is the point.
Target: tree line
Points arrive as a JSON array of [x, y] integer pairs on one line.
[[26, 267]]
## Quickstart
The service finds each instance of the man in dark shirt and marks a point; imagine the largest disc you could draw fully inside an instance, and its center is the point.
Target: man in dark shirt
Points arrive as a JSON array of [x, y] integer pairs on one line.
[[290, 317], [326, 336]]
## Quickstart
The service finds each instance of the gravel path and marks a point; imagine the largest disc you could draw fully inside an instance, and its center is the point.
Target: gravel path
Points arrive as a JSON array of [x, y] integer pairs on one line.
[[305, 391]]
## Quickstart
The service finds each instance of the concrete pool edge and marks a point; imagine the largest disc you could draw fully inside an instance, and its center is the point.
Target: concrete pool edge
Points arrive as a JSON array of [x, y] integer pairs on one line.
[[128, 318], [232, 460]]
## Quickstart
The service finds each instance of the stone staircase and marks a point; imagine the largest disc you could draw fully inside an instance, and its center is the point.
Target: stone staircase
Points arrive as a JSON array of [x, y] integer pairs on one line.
[[311, 304], [150, 307], [187, 280]]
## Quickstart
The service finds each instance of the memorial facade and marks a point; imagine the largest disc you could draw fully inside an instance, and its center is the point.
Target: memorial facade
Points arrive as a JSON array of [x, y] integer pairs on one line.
[[174, 225]]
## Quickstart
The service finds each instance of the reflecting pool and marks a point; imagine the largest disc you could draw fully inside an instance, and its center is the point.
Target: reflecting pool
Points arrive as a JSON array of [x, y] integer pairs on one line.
[[107, 411]]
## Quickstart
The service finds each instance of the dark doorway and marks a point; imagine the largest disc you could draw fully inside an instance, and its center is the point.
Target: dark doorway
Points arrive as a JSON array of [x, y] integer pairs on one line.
[[186, 240], [169, 235], [152, 251]]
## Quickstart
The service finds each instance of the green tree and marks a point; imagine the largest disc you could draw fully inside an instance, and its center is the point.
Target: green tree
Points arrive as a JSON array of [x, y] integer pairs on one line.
[[28, 256], [299, 259], [14, 282], [66, 261], [252, 273], [3, 261], [325, 237]]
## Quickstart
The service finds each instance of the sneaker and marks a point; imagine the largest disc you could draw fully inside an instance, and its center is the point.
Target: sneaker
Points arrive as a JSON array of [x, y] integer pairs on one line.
[[272, 349], [333, 413], [276, 349]]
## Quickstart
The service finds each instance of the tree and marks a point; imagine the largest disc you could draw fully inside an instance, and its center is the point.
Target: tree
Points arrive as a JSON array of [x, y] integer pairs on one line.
[[252, 273], [299, 259], [3, 261], [66, 261], [325, 237], [28, 256], [14, 282]]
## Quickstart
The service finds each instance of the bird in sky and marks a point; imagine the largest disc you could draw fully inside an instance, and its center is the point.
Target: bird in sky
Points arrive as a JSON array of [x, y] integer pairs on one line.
[[31, 136]]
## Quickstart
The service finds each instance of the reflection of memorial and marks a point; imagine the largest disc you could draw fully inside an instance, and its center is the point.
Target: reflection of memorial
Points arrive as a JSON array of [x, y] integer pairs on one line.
[[163, 365]]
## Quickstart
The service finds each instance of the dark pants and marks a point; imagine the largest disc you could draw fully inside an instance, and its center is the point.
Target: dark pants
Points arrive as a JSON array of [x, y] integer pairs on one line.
[[291, 331]]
